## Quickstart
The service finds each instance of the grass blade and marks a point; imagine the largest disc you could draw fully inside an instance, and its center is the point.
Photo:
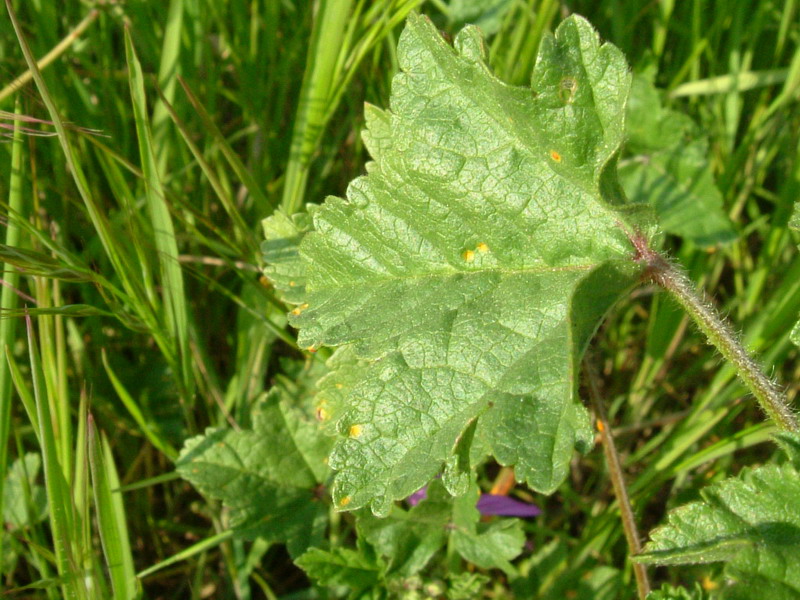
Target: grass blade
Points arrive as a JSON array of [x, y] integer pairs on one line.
[[192, 550], [134, 410], [330, 25], [172, 278], [58, 494], [9, 300], [110, 515]]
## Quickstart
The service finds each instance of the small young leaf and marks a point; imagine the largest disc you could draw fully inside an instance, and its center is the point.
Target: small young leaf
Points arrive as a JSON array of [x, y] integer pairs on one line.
[[465, 586], [409, 538], [341, 566], [472, 264], [668, 592], [752, 522], [669, 169]]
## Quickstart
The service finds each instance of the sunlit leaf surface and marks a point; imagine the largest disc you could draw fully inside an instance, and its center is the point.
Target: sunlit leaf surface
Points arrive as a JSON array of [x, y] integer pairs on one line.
[[471, 265]]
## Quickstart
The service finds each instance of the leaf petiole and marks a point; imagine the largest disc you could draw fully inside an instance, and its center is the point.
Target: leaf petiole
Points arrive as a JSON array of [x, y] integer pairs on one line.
[[662, 272]]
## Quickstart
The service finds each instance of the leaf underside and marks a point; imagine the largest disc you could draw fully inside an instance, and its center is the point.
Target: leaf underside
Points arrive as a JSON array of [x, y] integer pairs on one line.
[[471, 265]]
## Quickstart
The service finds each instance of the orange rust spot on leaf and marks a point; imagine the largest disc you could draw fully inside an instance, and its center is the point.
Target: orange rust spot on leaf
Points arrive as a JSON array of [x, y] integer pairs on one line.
[[468, 255], [483, 248], [555, 156], [355, 431], [345, 501]]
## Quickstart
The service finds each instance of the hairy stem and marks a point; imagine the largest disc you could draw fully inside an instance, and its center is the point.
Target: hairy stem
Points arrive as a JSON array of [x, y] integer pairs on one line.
[[617, 481], [719, 333]]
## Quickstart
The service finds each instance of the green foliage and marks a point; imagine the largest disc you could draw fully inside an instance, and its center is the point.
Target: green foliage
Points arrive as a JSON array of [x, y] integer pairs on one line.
[[488, 233], [668, 592], [752, 522], [668, 167], [134, 252], [24, 501], [550, 577], [408, 539], [486, 14], [267, 476], [342, 567], [395, 552]]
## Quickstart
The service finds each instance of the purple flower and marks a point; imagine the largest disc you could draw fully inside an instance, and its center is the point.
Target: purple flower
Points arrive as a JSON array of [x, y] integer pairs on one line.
[[418, 496], [493, 504], [489, 504]]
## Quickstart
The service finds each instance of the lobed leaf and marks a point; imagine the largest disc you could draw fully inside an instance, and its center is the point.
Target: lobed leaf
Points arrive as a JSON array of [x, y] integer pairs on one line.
[[752, 522], [268, 475], [471, 265], [280, 251]]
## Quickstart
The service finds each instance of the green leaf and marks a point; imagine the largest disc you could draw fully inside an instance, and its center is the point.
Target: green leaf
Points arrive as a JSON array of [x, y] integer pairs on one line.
[[24, 501], [280, 251], [486, 14], [668, 167], [790, 442], [752, 522], [472, 264], [668, 592], [267, 476], [465, 586], [488, 546], [341, 566], [408, 539]]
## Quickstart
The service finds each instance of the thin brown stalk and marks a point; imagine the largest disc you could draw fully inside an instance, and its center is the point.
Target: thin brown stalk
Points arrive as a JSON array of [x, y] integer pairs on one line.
[[617, 481]]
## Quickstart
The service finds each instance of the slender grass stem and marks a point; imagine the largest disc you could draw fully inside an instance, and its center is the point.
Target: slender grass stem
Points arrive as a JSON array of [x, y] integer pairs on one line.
[[617, 480], [330, 25], [9, 301], [718, 331], [48, 58]]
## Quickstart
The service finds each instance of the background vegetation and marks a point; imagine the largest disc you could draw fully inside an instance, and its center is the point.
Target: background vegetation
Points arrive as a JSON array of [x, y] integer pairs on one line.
[[132, 240]]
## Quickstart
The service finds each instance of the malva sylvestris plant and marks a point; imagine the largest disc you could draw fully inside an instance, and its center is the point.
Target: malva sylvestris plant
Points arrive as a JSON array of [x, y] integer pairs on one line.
[[460, 282]]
